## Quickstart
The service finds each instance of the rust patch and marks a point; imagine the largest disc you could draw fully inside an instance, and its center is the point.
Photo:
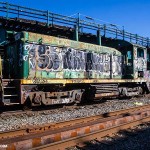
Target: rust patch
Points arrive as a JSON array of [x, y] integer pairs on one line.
[[87, 130], [36, 142], [73, 133], [102, 126], [57, 137], [10, 147]]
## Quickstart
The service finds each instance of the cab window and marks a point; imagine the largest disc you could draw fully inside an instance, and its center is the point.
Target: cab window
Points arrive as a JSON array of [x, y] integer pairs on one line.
[[129, 54], [140, 52]]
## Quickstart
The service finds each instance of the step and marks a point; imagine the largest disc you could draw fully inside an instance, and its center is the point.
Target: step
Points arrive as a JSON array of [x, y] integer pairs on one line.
[[9, 87], [9, 101], [11, 104], [5, 83], [9, 95], [7, 80]]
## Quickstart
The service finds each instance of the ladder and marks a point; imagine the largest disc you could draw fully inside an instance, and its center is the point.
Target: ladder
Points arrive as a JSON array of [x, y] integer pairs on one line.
[[9, 92], [8, 89]]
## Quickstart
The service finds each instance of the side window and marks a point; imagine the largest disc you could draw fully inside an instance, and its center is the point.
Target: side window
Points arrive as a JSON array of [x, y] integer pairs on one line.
[[140, 52], [129, 57], [129, 54]]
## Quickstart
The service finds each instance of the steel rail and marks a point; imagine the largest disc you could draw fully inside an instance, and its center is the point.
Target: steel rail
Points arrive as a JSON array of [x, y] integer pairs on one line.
[[70, 123], [98, 135], [59, 135]]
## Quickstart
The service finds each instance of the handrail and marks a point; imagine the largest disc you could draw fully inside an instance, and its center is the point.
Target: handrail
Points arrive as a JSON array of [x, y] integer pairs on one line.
[[11, 10]]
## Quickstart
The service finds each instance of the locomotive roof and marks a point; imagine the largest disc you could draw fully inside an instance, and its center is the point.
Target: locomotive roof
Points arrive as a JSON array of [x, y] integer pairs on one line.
[[119, 43]]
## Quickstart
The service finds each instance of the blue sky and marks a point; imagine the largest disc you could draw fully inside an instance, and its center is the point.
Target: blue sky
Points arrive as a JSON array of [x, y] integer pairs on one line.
[[134, 15]]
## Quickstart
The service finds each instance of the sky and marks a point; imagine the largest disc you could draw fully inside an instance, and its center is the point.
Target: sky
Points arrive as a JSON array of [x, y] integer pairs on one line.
[[134, 15]]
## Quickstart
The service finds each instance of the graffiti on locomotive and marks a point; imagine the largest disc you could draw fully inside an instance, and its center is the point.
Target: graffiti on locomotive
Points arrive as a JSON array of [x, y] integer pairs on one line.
[[49, 58], [53, 58]]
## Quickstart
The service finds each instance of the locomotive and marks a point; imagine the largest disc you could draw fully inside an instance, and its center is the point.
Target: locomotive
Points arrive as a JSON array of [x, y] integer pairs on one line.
[[46, 59], [38, 69]]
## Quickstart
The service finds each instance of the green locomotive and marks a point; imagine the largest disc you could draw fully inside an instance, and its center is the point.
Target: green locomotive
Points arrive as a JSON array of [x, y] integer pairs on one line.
[[47, 59], [41, 69]]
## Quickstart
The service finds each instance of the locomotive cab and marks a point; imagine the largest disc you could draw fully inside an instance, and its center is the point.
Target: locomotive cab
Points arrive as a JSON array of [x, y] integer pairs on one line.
[[134, 58], [134, 67]]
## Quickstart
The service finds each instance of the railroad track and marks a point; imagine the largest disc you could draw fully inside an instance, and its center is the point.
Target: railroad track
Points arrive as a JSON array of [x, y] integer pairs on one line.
[[74, 132]]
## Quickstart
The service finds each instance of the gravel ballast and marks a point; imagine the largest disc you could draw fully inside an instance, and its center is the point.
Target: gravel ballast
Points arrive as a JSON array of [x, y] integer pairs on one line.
[[17, 121]]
